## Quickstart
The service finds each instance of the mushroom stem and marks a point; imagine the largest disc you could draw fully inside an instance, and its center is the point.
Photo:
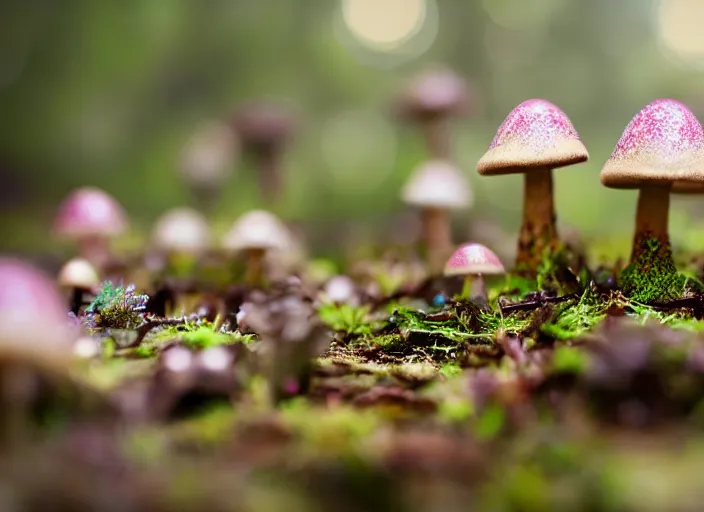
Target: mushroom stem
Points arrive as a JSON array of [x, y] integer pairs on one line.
[[437, 237], [269, 164], [255, 267], [95, 249], [75, 300], [477, 291], [538, 231], [206, 197], [651, 219], [437, 137]]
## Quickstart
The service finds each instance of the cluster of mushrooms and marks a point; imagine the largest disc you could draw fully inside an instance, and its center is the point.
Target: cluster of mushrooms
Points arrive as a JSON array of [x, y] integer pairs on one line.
[[660, 152]]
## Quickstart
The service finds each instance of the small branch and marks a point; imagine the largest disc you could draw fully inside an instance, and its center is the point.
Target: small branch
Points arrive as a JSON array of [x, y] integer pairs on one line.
[[144, 329], [535, 304]]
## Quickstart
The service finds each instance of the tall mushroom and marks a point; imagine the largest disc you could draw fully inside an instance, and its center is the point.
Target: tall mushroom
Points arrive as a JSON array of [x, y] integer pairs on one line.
[[430, 100], [255, 233], [264, 129], [535, 138], [90, 217], [437, 187], [661, 146]]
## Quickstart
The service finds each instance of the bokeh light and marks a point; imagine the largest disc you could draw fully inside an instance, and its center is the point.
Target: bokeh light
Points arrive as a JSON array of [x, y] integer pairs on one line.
[[680, 27], [387, 32], [359, 149]]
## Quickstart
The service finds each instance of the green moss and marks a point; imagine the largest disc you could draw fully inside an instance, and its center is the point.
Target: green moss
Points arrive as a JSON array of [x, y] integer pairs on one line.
[[569, 360], [574, 319], [351, 320], [652, 276], [556, 272]]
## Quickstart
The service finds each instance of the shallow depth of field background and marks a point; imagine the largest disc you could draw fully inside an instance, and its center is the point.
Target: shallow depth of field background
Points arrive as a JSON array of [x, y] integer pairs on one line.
[[106, 94]]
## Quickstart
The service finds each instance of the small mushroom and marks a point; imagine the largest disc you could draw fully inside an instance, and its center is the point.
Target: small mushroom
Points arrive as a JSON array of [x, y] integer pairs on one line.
[[181, 231], [437, 187], [207, 161], [255, 233], [340, 289], [430, 100], [34, 323], [474, 261], [78, 277], [535, 138], [659, 148], [90, 217], [264, 129]]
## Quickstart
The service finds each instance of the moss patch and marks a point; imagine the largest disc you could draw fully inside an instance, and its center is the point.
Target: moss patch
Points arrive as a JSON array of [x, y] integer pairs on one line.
[[652, 275]]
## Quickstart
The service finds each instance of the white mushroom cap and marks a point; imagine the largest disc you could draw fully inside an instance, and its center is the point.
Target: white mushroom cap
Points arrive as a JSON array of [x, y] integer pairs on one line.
[[209, 155], [440, 184], [257, 229], [181, 229], [78, 273]]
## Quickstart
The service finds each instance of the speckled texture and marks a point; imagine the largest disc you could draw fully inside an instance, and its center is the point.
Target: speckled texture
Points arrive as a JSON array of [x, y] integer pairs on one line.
[[471, 259], [89, 211], [662, 144], [439, 184], [536, 134]]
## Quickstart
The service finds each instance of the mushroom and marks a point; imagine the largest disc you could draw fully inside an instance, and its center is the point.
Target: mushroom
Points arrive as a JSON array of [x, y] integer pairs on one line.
[[181, 231], [474, 261], [264, 128], [660, 147], [340, 289], [255, 233], [535, 138], [437, 187], [207, 161], [90, 217], [34, 323], [78, 277], [430, 100]]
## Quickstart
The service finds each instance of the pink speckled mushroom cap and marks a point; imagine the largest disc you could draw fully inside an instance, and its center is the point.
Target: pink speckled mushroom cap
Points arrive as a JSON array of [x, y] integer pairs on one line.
[[536, 134], [663, 143], [473, 259], [89, 211], [33, 319]]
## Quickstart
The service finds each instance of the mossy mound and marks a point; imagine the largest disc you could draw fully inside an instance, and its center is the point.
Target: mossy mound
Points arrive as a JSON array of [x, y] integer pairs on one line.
[[652, 276]]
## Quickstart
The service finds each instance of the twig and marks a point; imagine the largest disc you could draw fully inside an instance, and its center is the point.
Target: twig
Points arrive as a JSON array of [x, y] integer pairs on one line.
[[144, 329]]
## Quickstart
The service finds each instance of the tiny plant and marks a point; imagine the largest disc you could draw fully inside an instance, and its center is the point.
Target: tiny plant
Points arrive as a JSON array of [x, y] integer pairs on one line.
[[117, 307]]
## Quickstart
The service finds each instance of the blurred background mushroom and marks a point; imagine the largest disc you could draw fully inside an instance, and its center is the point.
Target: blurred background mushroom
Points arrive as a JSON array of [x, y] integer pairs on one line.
[[254, 234], [79, 279], [437, 187], [207, 162], [181, 233], [90, 217], [431, 100], [265, 128]]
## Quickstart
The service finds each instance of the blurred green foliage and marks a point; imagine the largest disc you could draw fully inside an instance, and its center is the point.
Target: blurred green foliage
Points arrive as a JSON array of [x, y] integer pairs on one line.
[[106, 93]]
